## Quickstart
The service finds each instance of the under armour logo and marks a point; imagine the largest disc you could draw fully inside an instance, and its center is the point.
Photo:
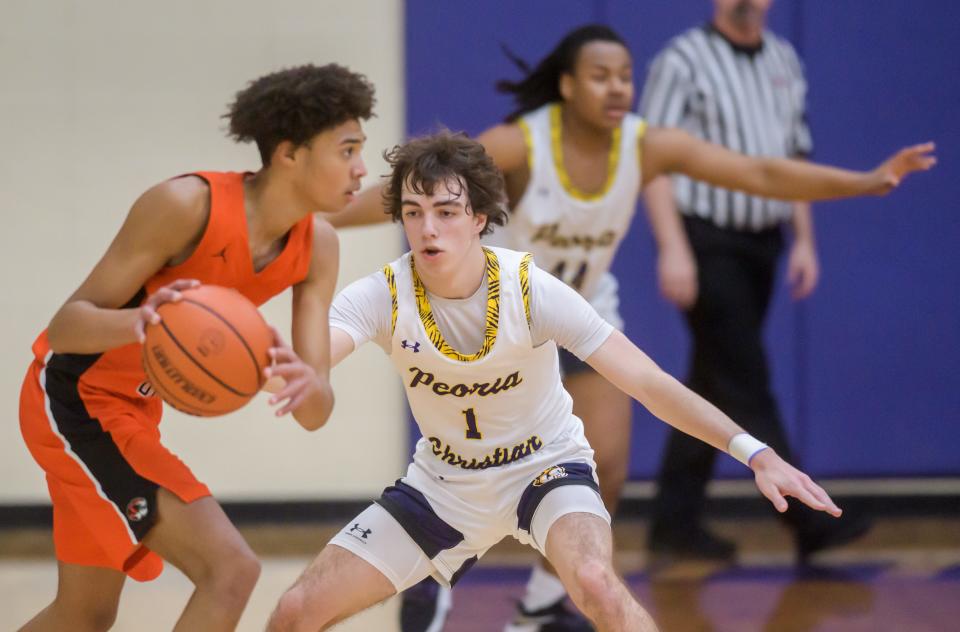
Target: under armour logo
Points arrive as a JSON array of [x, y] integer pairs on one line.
[[363, 532], [415, 346], [222, 254]]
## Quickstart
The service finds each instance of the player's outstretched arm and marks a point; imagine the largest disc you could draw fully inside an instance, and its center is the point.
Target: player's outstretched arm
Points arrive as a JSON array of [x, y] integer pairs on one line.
[[504, 143], [633, 372], [341, 345], [775, 478], [161, 225], [667, 150], [365, 210]]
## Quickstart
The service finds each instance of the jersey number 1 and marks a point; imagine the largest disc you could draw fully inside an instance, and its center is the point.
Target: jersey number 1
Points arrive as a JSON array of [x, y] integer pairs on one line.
[[472, 431]]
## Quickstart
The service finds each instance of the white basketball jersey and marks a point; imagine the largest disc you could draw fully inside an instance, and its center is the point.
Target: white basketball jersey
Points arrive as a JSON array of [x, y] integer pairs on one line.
[[488, 409], [572, 234]]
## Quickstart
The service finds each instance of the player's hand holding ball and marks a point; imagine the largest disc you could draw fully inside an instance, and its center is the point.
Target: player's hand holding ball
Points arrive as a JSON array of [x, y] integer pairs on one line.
[[205, 347], [290, 379], [167, 294]]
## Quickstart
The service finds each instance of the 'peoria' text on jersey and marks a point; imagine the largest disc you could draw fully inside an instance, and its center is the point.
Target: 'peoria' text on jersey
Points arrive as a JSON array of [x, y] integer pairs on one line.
[[424, 378]]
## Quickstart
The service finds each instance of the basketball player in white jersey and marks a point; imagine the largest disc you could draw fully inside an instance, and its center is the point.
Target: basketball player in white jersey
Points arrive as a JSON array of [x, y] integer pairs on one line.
[[473, 333], [574, 159]]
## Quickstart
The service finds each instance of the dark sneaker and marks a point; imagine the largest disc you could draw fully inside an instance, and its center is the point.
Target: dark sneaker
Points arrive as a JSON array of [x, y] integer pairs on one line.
[[827, 535], [424, 607], [690, 543], [554, 618]]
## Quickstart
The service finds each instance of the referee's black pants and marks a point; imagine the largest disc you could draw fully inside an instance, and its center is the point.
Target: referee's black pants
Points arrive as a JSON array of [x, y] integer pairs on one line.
[[728, 367]]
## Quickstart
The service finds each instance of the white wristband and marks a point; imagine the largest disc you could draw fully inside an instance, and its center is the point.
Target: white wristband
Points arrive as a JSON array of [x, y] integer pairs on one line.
[[744, 447]]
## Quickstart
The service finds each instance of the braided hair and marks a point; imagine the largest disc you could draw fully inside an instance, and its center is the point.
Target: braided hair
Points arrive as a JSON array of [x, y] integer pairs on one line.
[[542, 84]]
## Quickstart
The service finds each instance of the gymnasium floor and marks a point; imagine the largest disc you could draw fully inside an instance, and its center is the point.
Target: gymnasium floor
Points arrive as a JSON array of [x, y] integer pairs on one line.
[[903, 576]]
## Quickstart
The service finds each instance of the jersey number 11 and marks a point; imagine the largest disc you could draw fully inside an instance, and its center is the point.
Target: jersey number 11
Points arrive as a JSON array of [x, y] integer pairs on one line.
[[577, 281]]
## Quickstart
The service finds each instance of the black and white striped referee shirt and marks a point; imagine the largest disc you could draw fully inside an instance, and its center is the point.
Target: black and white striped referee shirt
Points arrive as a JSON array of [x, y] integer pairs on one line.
[[749, 100]]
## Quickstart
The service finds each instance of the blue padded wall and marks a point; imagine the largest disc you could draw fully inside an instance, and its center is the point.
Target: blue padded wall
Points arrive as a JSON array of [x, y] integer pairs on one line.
[[866, 371]]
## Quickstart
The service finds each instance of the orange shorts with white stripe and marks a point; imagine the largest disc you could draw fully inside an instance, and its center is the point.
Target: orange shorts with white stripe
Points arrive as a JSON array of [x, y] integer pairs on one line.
[[102, 471]]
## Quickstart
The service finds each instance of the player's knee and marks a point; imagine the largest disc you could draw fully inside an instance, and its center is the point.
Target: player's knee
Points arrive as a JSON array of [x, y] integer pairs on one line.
[[240, 576], [288, 612], [596, 584], [232, 579], [248, 571], [91, 617], [103, 620], [592, 575], [83, 613], [292, 615]]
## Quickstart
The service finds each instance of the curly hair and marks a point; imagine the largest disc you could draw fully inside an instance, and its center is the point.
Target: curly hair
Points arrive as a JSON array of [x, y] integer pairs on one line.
[[296, 104], [446, 157], [541, 85]]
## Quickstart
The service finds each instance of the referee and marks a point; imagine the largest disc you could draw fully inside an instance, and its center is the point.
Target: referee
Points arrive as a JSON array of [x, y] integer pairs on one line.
[[733, 83]]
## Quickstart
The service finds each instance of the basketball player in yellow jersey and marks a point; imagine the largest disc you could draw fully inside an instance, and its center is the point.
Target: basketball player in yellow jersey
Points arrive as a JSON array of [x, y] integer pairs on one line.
[[473, 333], [566, 154]]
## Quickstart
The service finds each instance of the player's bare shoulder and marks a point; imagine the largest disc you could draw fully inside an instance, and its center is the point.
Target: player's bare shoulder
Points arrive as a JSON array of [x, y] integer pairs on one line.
[[176, 212], [664, 150], [507, 145], [178, 200]]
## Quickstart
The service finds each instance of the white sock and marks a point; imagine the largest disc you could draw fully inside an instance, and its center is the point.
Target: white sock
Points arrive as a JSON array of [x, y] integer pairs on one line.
[[543, 589]]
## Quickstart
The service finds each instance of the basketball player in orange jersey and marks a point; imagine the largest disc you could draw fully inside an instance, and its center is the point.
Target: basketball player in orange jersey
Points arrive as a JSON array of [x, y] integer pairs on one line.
[[575, 159], [121, 501]]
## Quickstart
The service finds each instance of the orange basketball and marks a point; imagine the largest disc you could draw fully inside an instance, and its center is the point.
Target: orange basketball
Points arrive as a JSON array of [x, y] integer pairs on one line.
[[207, 354]]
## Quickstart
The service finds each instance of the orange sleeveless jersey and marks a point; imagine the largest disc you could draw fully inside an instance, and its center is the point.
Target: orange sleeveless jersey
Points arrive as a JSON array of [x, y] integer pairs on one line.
[[221, 258], [90, 423]]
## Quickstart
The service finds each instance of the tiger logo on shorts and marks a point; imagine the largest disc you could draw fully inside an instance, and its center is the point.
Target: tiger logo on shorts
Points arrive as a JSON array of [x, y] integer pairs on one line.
[[552, 473], [137, 509]]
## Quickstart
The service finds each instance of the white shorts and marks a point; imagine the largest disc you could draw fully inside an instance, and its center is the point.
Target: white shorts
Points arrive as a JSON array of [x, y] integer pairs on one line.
[[427, 526]]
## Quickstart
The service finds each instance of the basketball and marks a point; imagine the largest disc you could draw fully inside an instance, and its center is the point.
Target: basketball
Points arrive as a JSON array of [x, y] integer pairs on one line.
[[207, 354]]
